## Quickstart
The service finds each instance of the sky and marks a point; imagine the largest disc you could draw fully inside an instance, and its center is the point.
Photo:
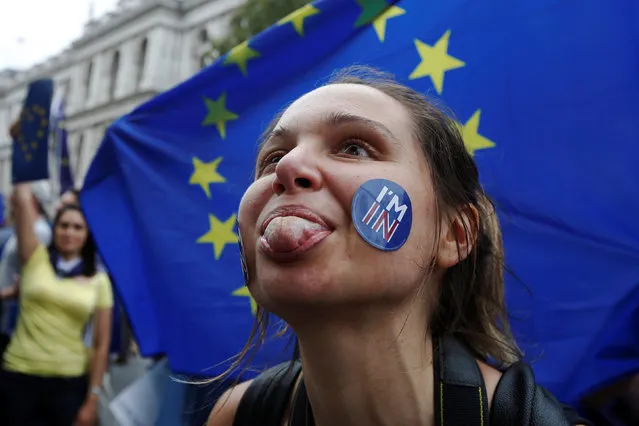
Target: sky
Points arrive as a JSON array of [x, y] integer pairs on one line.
[[33, 30]]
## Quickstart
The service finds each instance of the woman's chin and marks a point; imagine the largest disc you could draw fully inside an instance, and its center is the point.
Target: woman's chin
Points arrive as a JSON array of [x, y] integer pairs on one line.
[[68, 250], [295, 286]]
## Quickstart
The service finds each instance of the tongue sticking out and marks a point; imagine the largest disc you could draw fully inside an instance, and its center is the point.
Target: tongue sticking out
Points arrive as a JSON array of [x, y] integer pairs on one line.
[[285, 234]]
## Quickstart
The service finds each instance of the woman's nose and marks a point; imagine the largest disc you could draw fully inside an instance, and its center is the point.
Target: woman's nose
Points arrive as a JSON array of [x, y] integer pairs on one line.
[[297, 171]]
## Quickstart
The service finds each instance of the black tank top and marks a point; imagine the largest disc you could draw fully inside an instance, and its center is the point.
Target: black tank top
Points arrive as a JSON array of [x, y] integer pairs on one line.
[[459, 392]]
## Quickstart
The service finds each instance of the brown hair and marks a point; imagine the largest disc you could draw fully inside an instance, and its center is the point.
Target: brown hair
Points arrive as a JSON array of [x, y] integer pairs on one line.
[[470, 303]]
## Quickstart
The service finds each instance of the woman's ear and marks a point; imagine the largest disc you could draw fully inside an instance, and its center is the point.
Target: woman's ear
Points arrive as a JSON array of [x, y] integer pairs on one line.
[[459, 232]]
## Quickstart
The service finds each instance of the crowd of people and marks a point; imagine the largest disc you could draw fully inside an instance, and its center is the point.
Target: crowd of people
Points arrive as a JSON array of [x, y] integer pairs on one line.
[[57, 314]]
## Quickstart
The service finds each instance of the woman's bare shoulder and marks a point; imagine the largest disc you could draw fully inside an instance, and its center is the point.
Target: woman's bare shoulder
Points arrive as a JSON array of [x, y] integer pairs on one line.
[[223, 413], [491, 379]]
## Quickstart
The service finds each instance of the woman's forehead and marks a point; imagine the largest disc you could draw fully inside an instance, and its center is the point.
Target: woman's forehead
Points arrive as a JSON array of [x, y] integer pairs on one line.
[[72, 216], [352, 100]]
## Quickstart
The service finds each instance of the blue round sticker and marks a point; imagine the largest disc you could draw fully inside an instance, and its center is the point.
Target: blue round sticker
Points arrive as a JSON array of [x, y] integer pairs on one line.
[[382, 214]]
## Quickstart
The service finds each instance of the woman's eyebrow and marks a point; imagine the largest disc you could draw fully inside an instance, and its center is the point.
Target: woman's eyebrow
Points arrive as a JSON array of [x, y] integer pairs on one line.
[[334, 119], [341, 118]]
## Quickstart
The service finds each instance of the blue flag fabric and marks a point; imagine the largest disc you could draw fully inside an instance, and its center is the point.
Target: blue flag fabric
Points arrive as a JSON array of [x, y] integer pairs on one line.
[[30, 156], [547, 96], [62, 150]]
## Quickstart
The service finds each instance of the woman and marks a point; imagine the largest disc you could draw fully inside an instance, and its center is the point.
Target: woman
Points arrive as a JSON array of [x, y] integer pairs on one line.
[[48, 377], [378, 300]]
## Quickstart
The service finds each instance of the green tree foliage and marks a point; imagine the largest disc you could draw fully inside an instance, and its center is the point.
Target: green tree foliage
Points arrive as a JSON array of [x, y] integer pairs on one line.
[[250, 19]]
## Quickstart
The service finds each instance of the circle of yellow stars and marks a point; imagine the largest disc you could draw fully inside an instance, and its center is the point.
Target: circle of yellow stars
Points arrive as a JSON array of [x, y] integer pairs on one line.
[[434, 62], [38, 115]]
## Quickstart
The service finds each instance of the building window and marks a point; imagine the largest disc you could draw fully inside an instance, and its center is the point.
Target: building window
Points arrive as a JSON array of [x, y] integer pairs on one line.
[[203, 36], [89, 75], [142, 60], [113, 80]]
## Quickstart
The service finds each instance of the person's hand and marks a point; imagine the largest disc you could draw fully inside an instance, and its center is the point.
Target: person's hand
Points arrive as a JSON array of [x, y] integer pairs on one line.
[[14, 129], [88, 414], [21, 192], [11, 291]]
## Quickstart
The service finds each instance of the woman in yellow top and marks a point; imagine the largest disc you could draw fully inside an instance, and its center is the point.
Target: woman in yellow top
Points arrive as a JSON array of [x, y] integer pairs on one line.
[[48, 377]]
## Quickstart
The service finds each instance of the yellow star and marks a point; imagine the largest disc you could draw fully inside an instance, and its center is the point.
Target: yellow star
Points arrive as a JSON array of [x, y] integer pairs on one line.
[[435, 61], [244, 291], [472, 139], [28, 156], [218, 114], [240, 55], [205, 174], [297, 18], [34, 145], [379, 23], [220, 234]]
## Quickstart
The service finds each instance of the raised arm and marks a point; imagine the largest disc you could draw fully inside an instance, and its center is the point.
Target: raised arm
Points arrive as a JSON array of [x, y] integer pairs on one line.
[[25, 216]]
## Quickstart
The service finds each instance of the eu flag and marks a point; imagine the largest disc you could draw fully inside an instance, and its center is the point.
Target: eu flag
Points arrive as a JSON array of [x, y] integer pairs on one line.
[[547, 96], [65, 173], [30, 156]]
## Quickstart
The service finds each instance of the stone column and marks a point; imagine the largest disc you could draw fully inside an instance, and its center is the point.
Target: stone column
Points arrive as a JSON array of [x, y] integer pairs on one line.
[[84, 155], [97, 86], [75, 138], [156, 51], [127, 74], [76, 101], [4, 122]]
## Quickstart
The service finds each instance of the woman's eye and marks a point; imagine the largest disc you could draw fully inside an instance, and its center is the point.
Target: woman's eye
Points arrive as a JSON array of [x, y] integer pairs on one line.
[[273, 159], [355, 149], [270, 161]]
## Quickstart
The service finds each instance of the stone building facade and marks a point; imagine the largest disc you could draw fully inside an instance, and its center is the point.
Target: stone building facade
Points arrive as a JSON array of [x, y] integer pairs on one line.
[[142, 48]]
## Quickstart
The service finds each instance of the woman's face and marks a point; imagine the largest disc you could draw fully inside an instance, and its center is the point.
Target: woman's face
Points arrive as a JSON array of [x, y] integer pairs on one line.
[[325, 146], [70, 233]]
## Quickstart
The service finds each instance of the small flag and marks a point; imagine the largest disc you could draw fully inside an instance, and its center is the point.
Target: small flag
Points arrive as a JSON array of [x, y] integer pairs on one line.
[[30, 159]]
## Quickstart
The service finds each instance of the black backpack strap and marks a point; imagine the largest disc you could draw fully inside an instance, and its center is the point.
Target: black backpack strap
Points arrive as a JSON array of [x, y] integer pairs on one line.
[[267, 398], [460, 392], [518, 400], [301, 411]]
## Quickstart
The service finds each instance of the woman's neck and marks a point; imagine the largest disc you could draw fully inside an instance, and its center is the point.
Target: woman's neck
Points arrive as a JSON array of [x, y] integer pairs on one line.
[[373, 370], [68, 256]]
